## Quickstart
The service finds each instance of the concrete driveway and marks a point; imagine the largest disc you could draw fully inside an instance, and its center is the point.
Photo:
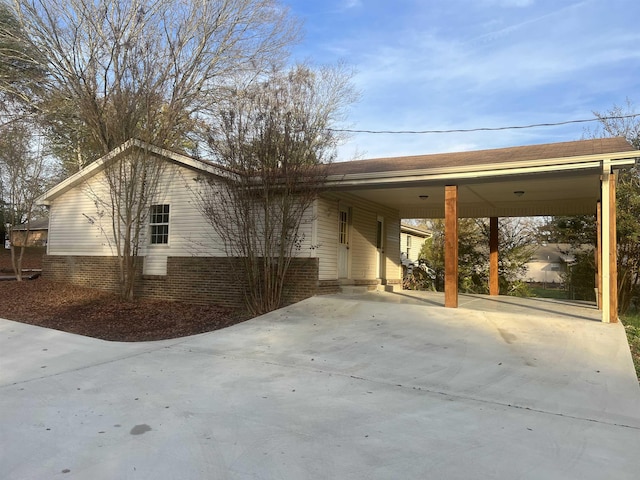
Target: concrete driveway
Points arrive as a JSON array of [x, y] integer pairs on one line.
[[372, 386]]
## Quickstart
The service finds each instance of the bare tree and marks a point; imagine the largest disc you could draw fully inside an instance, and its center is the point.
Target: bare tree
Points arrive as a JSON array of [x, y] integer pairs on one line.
[[516, 244], [23, 176], [19, 72], [619, 122], [274, 137], [131, 183], [116, 70]]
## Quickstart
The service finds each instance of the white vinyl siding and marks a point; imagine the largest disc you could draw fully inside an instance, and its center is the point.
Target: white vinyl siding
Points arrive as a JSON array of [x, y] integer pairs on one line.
[[411, 245], [190, 233], [76, 224], [363, 233], [71, 231], [327, 238]]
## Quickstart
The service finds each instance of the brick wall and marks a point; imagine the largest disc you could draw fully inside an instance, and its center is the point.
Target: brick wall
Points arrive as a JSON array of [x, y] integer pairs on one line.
[[328, 287], [94, 272], [200, 280]]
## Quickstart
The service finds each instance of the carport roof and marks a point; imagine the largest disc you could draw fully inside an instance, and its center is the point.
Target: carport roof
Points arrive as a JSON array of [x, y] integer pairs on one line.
[[549, 179], [500, 156]]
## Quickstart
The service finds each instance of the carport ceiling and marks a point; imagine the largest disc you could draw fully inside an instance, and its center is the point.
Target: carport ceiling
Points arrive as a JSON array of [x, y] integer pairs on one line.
[[558, 195], [552, 179]]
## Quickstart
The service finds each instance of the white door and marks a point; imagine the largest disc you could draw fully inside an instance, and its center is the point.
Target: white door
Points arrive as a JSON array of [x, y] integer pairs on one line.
[[343, 243], [380, 248]]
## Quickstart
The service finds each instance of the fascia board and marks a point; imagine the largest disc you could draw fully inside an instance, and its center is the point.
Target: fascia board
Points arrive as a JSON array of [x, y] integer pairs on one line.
[[100, 164], [428, 175], [414, 231], [81, 176], [185, 161]]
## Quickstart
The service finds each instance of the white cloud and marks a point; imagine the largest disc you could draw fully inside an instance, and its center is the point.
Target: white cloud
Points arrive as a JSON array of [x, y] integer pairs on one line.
[[508, 3], [348, 4], [446, 66]]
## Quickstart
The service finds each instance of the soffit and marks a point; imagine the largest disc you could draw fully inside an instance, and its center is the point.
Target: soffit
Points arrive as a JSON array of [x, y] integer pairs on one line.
[[557, 179]]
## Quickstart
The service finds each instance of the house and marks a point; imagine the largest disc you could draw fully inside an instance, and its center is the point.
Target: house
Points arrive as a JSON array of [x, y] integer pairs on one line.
[[348, 240], [353, 230], [411, 240], [549, 263], [34, 234]]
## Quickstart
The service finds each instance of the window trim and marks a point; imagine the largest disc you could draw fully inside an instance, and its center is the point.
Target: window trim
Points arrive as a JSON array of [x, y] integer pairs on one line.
[[153, 215]]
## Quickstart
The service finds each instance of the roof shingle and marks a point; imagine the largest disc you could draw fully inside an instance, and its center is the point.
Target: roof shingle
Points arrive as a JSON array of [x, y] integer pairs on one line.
[[480, 157]]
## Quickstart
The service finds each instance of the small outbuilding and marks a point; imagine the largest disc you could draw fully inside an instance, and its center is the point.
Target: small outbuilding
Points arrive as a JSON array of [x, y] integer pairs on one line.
[[32, 234]]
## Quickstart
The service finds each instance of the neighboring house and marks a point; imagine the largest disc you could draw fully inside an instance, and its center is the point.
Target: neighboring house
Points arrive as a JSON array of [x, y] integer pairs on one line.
[[347, 240], [550, 262], [411, 240], [34, 234]]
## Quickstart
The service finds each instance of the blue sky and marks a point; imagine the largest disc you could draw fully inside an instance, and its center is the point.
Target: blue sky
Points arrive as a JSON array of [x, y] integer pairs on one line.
[[457, 64]]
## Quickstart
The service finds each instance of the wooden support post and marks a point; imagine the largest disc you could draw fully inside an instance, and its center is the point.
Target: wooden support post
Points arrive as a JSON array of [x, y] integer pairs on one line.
[[609, 246], [494, 284], [605, 239], [599, 253], [451, 246], [613, 251]]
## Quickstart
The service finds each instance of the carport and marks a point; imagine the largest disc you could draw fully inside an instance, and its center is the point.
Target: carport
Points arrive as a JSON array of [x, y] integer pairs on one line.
[[569, 178]]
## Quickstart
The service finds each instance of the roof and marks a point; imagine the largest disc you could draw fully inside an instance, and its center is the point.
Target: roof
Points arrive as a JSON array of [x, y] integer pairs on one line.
[[559, 252], [132, 144], [500, 156], [415, 230], [549, 179], [40, 224]]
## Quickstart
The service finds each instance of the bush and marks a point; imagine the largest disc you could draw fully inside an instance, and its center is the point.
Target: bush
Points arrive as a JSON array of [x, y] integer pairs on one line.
[[418, 279]]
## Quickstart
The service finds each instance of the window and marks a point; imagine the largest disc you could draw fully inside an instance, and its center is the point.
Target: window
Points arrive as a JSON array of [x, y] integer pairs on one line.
[[159, 223], [344, 227]]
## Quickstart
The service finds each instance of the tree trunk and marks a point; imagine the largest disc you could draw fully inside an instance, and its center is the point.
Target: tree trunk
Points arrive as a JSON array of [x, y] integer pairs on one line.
[[16, 262]]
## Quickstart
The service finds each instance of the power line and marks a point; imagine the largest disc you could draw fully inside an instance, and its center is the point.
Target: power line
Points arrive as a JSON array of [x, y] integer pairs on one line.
[[486, 129]]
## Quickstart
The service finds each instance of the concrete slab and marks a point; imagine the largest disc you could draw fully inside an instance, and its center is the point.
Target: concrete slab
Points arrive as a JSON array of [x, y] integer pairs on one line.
[[371, 386]]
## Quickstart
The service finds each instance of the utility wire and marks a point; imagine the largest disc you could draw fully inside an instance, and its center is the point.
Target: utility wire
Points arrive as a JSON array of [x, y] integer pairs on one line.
[[487, 129]]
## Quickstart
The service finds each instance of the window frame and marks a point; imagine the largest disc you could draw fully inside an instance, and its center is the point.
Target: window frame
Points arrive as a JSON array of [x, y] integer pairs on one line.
[[159, 222]]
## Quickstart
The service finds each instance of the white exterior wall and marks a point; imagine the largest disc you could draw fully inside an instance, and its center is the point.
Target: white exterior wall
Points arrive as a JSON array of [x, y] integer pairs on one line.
[[189, 233], [327, 237], [362, 242], [72, 233], [416, 245], [544, 272], [70, 229]]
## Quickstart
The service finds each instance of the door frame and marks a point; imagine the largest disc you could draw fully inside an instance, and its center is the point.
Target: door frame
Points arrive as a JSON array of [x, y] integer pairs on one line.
[[344, 242], [381, 258]]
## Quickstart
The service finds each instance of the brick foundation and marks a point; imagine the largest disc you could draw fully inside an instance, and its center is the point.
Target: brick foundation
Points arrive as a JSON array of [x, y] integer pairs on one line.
[[328, 287], [200, 280]]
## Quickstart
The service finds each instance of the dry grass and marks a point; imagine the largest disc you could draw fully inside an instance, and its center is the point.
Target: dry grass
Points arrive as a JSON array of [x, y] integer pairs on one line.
[[631, 323]]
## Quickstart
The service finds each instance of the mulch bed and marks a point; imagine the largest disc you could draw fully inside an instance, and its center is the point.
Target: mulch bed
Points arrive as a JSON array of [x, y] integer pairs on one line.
[[32, 258], [100, 314]]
